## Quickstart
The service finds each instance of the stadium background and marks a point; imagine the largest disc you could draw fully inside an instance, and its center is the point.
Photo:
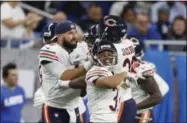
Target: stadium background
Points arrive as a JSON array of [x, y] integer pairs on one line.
[[168, 51]]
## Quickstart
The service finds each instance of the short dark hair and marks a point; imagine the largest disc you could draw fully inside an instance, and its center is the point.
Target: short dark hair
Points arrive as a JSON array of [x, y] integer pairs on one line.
[[7, 67], [94, 5], [179, 18], [126, 8]]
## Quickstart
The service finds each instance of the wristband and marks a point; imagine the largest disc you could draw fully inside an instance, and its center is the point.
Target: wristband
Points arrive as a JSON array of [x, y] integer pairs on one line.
[[65, 83]]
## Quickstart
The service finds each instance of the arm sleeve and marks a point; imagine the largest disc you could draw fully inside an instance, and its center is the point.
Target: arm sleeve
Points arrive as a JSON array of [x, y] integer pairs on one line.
[[5, 12], [93, 75], [163, 86], [46, 55], [55, 68]]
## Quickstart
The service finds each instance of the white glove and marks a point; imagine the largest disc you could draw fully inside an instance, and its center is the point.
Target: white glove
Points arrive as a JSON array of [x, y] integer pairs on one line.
[[131, 80], [78, 56], [131, 83], [145, 70], [118, 69], [39, 98]]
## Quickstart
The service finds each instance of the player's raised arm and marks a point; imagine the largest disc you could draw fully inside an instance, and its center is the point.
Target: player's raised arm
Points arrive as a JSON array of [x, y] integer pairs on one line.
[[155, 97], [156, 87], [110, 81], [149, 85]]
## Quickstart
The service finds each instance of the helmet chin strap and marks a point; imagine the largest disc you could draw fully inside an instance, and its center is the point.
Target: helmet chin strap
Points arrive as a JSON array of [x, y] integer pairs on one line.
[[104, 33]]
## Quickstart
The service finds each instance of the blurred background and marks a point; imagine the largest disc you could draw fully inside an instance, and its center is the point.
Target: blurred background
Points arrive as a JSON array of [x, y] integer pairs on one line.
[[160, 26]]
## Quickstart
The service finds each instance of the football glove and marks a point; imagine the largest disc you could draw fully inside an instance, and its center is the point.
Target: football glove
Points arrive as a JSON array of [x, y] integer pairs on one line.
[[78, 56]]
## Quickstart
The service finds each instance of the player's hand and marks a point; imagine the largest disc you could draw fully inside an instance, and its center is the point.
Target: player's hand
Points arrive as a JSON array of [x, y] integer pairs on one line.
[[145, 70], [118, 69], [131, 83], [131, 80], [39, 98], [78, 56]]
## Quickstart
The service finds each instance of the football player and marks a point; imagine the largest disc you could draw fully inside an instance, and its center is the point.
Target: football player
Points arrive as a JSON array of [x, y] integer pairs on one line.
[[103, 86], [57, 69], [151, 91], [114, 29], [49, 37]]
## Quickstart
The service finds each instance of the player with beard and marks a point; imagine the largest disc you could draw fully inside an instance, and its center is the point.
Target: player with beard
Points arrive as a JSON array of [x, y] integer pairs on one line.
[[57, 70]]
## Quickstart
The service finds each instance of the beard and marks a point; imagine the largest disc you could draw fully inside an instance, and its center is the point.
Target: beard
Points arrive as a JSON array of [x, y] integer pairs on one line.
[[68, 45]]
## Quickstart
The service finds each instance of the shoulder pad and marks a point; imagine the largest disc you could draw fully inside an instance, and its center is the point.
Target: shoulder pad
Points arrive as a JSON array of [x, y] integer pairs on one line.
[[48, 53], [97, 71], [149, 67]]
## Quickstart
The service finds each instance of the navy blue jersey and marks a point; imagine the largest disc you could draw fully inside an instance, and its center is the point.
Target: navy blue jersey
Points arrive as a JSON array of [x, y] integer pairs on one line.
[[12, 101]]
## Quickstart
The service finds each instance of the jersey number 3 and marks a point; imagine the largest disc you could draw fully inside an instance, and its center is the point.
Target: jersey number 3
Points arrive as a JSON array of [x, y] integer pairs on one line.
[[113, 108]]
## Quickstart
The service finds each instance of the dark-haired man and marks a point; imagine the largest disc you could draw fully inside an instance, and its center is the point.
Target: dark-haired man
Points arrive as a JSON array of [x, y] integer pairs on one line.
[[12, 95]]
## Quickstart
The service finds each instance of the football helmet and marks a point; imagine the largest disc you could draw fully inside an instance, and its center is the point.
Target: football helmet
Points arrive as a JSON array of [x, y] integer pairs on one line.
[[112, 27], [49, 33], [139, 52], [104, 53], [91, 34]]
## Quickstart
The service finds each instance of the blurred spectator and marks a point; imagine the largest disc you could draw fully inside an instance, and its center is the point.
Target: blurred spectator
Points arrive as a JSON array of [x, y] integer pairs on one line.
[[12, 96], [60, 16], [38, 4], [117, 7], [105, 6], [94, 15], [128, 16], [12, 20], [176, 9], [177, 32], [143, 29], [178, 29], [30, 37], [31, 25], [51, 6], [163, 24], [73, 9]]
